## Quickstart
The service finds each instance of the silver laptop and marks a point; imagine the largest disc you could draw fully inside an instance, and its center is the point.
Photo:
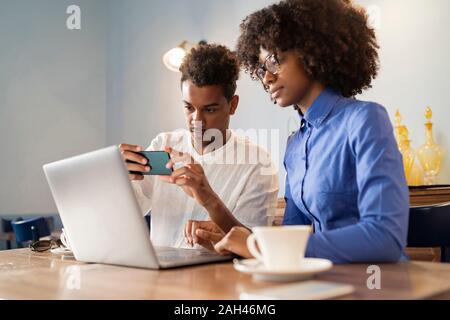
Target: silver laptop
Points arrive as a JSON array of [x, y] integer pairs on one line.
[[102, 218]]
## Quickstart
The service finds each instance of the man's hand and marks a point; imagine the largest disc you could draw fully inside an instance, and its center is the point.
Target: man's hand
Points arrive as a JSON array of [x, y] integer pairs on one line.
[[210, 236], [191, 178], [214, 233], [139, 162]]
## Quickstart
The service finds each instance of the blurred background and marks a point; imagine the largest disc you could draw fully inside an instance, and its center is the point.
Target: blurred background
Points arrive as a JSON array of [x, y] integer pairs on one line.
[[65, 92]]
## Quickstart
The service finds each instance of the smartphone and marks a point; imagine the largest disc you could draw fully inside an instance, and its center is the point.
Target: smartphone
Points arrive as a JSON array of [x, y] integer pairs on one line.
[[307, 290], [157, 161]]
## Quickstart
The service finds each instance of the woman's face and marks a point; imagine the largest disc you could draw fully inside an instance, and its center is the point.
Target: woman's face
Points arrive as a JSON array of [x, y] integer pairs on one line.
[[291, 83]]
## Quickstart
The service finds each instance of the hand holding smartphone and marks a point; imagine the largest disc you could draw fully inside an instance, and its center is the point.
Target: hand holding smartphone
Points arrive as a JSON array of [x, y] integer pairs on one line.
[[157, 161], [140, 163]]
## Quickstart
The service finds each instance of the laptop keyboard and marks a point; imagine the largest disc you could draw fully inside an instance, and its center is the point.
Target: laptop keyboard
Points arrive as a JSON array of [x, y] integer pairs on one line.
[[169, 254]]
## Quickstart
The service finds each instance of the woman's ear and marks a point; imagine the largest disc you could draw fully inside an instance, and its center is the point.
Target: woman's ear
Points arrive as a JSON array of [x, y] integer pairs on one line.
[[234, 104]]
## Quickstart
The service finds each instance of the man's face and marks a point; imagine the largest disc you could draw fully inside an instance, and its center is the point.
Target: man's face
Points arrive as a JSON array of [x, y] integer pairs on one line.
[[206, 108]]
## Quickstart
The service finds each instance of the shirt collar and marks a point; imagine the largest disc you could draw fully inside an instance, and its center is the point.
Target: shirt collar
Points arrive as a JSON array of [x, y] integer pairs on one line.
[[215, 155], [321, 107]]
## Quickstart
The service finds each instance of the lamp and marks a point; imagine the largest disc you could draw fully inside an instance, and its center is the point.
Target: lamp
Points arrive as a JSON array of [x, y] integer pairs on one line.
[[174, 57]]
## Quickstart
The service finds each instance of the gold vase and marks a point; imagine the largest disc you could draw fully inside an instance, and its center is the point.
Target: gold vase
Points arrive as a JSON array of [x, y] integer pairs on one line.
[[408, 155], [412, 169], [430, 154]]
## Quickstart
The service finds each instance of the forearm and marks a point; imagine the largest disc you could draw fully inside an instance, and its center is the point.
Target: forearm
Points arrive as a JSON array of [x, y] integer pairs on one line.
[[220, 214]]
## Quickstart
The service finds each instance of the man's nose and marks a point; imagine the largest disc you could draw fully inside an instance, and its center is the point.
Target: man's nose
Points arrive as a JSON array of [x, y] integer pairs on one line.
[[198, 116]]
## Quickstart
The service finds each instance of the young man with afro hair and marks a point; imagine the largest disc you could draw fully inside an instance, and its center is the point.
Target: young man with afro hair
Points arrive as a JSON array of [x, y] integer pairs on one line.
[[215, 179]]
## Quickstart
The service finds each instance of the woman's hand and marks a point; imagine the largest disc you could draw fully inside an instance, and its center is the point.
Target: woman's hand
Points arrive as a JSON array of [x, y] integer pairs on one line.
[[191, 178], [234, 241]]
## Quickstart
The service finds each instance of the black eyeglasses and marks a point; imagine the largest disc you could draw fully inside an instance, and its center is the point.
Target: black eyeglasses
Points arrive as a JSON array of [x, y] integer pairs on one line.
[[44, 245], [271, 64]]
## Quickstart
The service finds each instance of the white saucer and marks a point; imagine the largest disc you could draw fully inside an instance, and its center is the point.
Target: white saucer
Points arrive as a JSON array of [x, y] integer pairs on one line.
[[307, 268]]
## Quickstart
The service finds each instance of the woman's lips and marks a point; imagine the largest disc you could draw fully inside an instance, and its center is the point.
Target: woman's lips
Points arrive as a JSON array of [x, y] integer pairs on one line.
[[276, 93]]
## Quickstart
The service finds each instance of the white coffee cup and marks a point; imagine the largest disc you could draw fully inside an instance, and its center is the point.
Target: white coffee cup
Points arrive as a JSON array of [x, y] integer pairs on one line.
[[280, 248]]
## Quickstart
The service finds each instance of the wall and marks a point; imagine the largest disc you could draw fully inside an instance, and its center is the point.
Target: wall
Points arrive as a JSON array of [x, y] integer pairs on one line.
[[52, 95], [415, 47], [143, 96]]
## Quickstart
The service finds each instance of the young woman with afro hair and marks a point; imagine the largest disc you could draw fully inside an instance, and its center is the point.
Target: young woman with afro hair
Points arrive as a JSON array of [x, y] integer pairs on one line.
[[344, 171]]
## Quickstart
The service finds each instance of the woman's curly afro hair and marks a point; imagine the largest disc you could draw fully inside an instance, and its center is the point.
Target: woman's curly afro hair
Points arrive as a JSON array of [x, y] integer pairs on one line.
[[211, 64], [335, 43]]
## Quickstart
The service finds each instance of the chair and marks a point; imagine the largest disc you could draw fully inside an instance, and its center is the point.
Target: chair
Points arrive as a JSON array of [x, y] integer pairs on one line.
[[30, 230], [429, 226], [7, 233]]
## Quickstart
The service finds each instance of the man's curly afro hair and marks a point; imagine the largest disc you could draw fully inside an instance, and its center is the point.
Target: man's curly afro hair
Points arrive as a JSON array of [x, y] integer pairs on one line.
[[211, 64], [335, 43]]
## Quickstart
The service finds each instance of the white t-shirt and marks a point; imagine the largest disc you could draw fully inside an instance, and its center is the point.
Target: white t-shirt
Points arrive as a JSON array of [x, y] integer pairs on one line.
[[247, 186]]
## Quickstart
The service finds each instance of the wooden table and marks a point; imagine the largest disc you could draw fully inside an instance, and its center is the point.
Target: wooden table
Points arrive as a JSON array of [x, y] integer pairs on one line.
[[28, 275], [426, 195]]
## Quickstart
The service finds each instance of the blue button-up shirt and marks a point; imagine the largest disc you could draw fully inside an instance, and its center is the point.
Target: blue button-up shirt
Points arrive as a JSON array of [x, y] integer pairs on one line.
[[345, 176]]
